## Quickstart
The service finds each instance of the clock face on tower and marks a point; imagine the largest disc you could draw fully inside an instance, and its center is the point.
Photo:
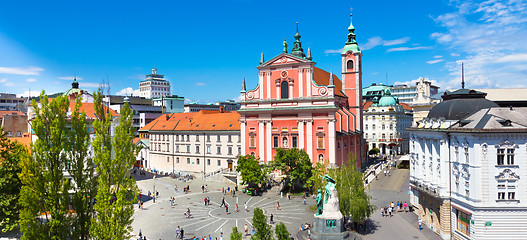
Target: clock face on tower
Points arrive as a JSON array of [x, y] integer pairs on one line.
[[283, 74]]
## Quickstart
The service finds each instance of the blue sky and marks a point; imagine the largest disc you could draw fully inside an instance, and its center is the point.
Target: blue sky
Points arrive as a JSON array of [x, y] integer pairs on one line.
[[205, 47]]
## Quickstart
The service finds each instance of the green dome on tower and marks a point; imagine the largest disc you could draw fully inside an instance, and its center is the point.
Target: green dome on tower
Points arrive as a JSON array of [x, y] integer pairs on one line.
[[387, 99]]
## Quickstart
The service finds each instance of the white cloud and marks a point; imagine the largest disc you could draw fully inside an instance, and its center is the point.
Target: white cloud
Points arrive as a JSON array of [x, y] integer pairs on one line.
[[201, 84], [438, 56], [21, 70], [522, 57], [91, 85], [413, 82], [29, 93], [333, 51], [6, 83], [31, 80], [70, 78], [400, 49], [128, 91], [137, 76], [435, 61], [3, 80], [374, 42], [490, 35]]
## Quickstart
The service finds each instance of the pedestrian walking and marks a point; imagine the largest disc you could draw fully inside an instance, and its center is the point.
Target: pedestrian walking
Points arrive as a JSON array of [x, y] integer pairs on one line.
[[182, 233], [271, 219], [382, 211], [236, 209], [203, 188], [384, 172], [222, 202], [178, 232], [390, 211], [246, 229], [277, 206], [246, 207], [226, 209], [420, 224], [405, 207]]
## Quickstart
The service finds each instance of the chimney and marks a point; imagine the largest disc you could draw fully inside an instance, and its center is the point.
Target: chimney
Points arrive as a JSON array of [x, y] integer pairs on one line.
[[221, 109], [167, 117]]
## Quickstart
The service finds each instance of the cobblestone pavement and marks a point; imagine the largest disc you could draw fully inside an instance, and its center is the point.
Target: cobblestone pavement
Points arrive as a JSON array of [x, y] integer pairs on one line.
[[159, 220]]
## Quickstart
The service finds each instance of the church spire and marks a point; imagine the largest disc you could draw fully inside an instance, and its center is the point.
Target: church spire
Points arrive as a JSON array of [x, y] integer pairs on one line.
[[331, 82], [309, 54], [297, 47], [243, 86], [351, 44], [462, 77], [262, 59]]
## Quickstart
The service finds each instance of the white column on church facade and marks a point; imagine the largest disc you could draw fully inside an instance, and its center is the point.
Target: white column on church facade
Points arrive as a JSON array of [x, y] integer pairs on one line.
[[268, 147], [290, 90], [277, 82], [242, 135], [268, 74], [308, 82], [261, 84], [301, 134], [332, 139], [261, 144], [309, 138], [300, 83]]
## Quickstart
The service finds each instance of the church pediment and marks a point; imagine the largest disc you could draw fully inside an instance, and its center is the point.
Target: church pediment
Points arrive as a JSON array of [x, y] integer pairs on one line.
[[284, 58]]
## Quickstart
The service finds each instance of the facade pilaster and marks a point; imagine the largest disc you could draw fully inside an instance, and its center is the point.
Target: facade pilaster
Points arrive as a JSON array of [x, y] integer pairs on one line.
[[242, 135], [331, 139], [277, 83], [309, 138], [301, 134], [300, 82], [268, 147], [261, 84], [308, 82], [261, 144], [268, 75]]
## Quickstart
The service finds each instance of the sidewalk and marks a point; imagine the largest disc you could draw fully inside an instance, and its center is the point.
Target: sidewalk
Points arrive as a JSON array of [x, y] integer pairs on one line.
[[411, 218]]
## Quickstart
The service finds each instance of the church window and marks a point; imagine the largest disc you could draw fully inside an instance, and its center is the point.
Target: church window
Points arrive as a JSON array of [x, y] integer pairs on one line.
[[295, 142], [320, 143], [510, 156], [373, 126], [349, 65], [284, 91], [366, 127], [275, 142], [501, 156], [252, 142]]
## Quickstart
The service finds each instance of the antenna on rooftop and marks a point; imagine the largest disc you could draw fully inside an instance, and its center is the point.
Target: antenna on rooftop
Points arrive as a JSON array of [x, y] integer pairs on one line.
[[462, 77]]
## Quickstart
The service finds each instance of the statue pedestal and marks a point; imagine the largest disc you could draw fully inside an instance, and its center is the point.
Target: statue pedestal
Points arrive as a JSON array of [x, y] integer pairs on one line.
[[328, 228]]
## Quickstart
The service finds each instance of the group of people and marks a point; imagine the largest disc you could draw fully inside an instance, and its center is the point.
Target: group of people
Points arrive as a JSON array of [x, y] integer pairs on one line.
[[228, 190], [204, 188], [392, 207]]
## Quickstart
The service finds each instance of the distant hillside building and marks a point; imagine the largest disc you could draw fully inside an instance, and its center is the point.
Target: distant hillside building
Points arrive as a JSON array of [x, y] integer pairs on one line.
[[407, 94], [143, 111], [170, 104], [10, 102], [229, 105], [154, 86]]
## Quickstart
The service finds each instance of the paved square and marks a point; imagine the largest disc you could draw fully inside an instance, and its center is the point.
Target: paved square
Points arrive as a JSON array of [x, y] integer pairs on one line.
[[159, 220]]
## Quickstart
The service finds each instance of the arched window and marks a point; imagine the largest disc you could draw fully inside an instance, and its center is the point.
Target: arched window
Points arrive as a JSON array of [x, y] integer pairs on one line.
[[349, 65], [284, 94]]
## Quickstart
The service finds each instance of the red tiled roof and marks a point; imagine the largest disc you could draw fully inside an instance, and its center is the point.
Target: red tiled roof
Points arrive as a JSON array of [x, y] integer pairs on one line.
[[25, 141], [322, 78], [2, 113], [88, 108], [204, 120], [406, 106]]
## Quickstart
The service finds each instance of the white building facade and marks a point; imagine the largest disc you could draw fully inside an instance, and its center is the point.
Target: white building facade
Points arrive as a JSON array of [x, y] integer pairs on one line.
[[468, 176], [154, 86]]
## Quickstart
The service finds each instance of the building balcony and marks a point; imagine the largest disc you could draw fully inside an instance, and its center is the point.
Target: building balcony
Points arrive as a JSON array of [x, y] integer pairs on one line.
[[433, 191]]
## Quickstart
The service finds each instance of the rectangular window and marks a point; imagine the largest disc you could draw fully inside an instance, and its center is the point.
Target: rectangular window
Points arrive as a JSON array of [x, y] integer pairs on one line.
[[177, 138], [463, 222], [188, 138], [219, 162], [512, 195], [295, 142], [208, 161], [177, 160], [188, 160], [275, 142], [501, 196], [382, 127], [239, 150], [208, 149], [177, 148], [229, 138], [391, 127], [197, 138], [197, 149], [501, 156], [208, 138], [320, 143], [366, 127], [229, 150], [252, 142], [197, 161], [218, 150], [383, 136], [218, 138], [239, 138], [510, 156], [188, 148], [382, 118], [373, 126], [374, 136]]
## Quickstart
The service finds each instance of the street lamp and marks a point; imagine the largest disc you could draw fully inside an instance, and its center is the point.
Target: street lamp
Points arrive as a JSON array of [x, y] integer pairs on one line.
[[154, 187]]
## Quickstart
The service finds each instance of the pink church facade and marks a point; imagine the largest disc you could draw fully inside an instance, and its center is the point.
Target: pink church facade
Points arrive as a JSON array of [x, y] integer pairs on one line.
[[297, 105]]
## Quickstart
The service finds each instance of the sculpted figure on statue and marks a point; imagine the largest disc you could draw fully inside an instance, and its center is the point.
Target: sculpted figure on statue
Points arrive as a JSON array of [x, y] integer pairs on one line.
[[331, 208], [319, 202]]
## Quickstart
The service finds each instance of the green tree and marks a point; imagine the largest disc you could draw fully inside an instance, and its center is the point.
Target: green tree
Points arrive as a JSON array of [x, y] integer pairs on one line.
[[316, 181], [11, 154], [281, 232], [114, 158], [353, 200], [263, 231], [295, 164], [44, 195], [251, 171], [235, 235], [374, 151], [81, 169]]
